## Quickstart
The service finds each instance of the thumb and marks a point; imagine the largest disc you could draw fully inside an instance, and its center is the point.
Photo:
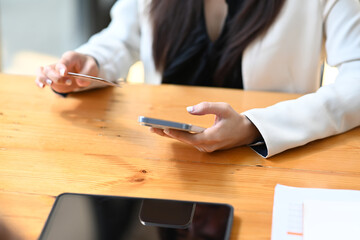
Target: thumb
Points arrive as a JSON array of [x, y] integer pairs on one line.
[[70, 61], [61, 68], [216, 108], [82, 83]]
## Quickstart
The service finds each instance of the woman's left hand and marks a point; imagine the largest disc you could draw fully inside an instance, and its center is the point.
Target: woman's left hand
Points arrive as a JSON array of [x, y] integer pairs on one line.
[[230, 129]]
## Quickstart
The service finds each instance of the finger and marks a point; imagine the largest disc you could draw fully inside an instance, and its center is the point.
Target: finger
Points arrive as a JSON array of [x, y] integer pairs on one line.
[[40, 78], [68, 82], [185, 137], [82, 83], [204, 149], [52, 74], [62, 88], [159, 131], [217, 108], [195, 139], [39, 83], [71, 61], [61, 68], [49, 82]]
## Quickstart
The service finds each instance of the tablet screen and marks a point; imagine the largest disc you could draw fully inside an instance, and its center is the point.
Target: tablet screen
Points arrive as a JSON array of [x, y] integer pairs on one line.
[[95, 217]]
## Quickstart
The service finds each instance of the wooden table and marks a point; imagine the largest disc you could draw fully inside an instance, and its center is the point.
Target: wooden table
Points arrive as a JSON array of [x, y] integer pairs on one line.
[[91, 143]]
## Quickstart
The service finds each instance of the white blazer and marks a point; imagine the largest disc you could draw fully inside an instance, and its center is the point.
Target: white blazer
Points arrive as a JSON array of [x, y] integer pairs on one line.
[[287, 58]]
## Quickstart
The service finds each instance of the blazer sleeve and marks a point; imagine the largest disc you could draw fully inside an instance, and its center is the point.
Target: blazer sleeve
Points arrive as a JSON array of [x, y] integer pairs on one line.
[[334, 108], [116, 47]]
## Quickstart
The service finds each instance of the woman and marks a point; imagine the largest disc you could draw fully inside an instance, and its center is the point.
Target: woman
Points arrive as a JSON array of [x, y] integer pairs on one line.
[[273, 45]]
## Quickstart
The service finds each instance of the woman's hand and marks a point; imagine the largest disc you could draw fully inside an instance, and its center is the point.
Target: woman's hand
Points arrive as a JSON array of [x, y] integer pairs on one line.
[[55, 75], [230, 129]]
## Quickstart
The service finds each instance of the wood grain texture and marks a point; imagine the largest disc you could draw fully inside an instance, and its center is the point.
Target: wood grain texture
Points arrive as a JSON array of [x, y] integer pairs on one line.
[[91, 143]]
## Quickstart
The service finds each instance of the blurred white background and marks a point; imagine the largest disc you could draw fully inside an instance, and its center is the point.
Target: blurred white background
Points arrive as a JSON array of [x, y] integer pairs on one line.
[[37, 32]]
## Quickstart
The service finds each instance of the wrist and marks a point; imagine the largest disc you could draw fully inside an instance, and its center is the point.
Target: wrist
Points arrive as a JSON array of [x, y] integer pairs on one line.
[[252, 133]]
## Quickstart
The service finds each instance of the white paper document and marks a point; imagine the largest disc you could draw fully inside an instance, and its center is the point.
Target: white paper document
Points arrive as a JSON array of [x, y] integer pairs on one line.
[[331, 220], [288, 212]]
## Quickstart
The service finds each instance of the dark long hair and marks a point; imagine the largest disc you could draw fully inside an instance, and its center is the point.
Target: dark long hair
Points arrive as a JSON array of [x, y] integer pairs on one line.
[[174, 19]]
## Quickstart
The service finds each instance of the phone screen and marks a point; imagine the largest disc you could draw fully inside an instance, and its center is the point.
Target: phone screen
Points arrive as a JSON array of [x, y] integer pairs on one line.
[[95, 217]]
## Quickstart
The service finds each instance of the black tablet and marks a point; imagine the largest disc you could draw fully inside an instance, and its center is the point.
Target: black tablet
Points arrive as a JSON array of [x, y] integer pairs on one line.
[[95, 217]]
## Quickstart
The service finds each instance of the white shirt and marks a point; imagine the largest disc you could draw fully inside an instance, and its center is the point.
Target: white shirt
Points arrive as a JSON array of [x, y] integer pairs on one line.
[[287, 59]]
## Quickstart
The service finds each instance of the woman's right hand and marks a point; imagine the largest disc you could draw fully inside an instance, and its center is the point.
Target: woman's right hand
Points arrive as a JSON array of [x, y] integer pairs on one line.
[[55, 75]]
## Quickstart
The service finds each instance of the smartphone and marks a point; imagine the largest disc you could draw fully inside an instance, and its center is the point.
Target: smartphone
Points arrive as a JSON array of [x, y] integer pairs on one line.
[[100, 217], [92, 78], [164, 124]]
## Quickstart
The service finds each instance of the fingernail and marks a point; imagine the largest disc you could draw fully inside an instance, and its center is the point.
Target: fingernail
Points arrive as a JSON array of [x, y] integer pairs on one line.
[[48, 82], [40, 84], [81, 83], [62, 71], [68, 82], [190, 109]]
